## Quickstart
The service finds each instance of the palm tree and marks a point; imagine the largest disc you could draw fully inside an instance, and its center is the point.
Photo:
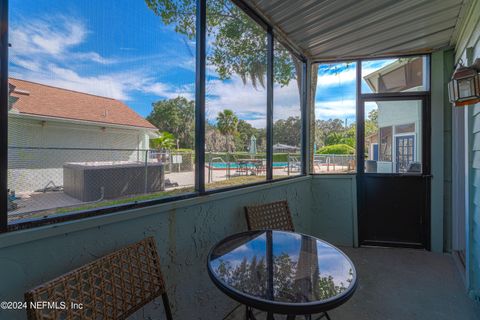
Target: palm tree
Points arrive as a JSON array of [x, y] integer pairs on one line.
[[227, 123], [165, 141]]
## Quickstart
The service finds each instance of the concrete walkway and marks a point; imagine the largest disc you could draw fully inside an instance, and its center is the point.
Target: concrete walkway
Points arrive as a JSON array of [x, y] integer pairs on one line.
[[399, 284]]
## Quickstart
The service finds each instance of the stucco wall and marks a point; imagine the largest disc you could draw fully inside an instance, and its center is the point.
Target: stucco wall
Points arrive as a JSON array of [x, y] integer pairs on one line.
[[185, 231], [334, 211], [30, 170]]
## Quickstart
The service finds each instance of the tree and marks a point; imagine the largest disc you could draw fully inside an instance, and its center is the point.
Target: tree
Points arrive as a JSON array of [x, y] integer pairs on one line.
[[165, 141], [373, 115], [287, 131], [176, 116], [244, 132], [324, 128], [215, 141], [238, 45], [227, 123]]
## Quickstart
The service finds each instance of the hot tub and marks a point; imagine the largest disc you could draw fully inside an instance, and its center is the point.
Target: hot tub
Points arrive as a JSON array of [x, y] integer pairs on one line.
[[91, 181]]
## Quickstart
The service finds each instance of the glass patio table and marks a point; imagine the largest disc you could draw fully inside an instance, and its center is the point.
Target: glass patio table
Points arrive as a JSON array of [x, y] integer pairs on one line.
[[282, 272]]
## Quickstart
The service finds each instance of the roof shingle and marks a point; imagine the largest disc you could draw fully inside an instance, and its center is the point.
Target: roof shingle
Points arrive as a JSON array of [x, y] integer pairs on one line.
[[43, 100]]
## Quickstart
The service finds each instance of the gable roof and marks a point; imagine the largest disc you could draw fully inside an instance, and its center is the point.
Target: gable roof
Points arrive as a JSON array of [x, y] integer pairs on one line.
[[43, 100], [399, 76]]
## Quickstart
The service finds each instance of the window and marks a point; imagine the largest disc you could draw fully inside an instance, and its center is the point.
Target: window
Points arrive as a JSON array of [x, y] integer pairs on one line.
[[101, 106], [335, 119], [287, 114], [236, 98]]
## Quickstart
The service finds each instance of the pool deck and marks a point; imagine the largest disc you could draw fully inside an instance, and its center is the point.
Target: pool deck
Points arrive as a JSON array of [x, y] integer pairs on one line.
[[39, 201]]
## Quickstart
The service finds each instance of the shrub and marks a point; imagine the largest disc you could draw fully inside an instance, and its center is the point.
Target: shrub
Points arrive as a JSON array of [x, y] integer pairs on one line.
[[336, 149]]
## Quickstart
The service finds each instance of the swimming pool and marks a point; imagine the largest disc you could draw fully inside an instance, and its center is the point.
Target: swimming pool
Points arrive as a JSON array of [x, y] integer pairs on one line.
[[234, 165]]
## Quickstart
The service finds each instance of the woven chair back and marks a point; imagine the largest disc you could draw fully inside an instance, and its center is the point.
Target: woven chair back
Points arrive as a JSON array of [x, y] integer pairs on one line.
[[274, 215], [110, 288]]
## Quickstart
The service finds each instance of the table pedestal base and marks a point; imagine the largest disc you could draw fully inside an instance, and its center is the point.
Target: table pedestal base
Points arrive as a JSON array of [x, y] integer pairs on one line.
[[250, 316]]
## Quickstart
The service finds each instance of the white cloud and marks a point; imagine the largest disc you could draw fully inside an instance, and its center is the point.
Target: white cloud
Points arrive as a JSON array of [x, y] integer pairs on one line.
[[52, 38], [54, 41], [168, 91], [44, 51], [335, 109], [27, 64], [159, 89], [93, 56], [345, 77], [339, 78], [250, 103]]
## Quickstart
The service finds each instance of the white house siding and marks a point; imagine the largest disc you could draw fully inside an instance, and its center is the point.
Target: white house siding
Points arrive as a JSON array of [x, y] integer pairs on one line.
[[33, 169], [398, 113]]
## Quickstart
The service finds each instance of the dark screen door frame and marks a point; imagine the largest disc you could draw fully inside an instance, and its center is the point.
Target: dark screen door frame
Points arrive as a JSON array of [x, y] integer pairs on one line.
[[426, 158]]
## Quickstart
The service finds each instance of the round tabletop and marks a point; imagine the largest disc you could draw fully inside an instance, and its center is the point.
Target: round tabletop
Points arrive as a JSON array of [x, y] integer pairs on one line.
[[282, 272]]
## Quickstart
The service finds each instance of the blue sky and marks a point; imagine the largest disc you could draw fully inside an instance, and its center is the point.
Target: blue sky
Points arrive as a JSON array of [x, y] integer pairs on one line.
[[120, 49], [336, 89]]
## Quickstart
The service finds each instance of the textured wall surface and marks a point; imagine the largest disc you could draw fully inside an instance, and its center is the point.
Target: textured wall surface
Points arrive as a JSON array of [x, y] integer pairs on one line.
[[185, 231], [334, 211]]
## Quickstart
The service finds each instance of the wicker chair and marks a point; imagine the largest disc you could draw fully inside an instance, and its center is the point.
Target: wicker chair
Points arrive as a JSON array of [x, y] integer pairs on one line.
[[275, 215], [111, 287]]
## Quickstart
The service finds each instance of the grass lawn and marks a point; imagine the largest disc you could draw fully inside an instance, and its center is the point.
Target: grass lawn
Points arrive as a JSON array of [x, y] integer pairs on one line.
[[130, 199]]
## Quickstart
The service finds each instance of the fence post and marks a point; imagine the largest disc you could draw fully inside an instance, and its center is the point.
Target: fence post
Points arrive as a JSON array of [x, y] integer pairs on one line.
[[288, 164], [146, 172], [209, 169], [228, 165], [178, 162]]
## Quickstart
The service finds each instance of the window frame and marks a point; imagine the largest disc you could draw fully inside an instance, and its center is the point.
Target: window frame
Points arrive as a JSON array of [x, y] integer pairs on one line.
[[361, 98], [200, 79]]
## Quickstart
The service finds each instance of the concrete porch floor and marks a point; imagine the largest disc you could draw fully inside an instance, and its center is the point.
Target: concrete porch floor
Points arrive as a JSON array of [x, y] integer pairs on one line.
[[398, 284]]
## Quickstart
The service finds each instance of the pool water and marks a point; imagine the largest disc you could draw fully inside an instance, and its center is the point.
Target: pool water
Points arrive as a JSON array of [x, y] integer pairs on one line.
[[234, 165]]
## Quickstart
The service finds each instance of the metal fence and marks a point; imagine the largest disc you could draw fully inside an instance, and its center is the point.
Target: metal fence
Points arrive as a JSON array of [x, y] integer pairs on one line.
[[225, 165], [45, 179], [334, 163]]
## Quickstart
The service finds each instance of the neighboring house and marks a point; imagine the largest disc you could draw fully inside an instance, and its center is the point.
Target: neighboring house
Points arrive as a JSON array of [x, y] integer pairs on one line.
[[398, 144], [46, 123]]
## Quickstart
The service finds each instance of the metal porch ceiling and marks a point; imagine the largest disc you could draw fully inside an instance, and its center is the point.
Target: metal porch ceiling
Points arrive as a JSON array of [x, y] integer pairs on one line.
[[344, 29]]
